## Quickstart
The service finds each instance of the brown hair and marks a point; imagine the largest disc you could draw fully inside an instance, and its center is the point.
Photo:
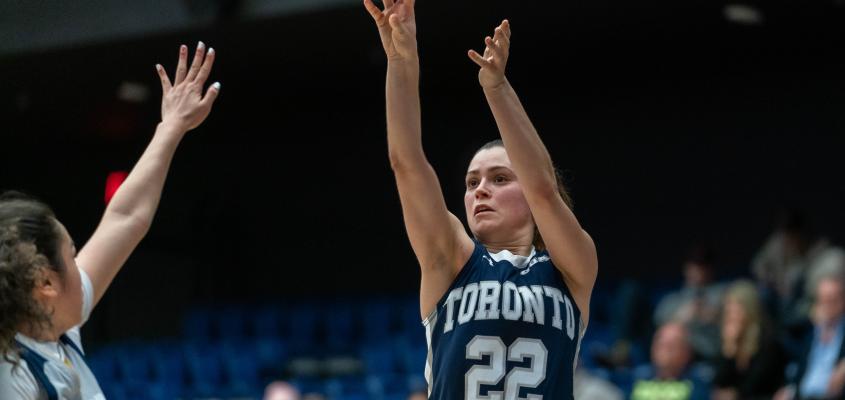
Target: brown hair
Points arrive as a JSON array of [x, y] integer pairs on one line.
[[29, 246], [561, 189]]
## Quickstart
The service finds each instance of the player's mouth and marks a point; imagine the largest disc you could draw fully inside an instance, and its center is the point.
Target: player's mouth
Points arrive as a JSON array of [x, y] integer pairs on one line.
[[482, 208]]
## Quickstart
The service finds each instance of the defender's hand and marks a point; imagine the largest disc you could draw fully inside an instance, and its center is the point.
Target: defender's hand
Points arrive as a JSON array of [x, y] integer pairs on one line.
[[182, 102]]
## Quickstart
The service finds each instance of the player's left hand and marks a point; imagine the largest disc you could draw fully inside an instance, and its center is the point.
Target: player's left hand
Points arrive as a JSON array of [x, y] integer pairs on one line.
[[495, 58], [183, 103]]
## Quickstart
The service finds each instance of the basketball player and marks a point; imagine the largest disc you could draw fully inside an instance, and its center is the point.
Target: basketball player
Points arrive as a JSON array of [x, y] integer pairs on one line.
[[506, 308], [47, 289]]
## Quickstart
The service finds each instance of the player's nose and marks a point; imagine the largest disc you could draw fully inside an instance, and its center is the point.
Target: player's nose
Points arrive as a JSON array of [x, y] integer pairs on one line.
[[482, 191]]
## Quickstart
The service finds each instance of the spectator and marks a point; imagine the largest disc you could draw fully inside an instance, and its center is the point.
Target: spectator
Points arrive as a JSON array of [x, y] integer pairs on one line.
[[590, 387], [821, 371], [671, 375], [418, 395], [751, 362], [281, 391], [791, 263], [696, 304]]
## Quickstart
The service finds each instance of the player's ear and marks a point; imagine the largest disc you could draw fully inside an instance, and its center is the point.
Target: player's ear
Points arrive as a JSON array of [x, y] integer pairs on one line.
[[47, 285]]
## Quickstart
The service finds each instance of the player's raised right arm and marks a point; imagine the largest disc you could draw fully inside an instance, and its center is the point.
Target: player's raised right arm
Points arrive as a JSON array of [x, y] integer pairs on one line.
[[438, 238]]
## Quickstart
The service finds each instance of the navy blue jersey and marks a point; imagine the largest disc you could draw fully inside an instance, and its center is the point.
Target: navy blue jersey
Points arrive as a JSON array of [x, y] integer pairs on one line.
[[506, 329]]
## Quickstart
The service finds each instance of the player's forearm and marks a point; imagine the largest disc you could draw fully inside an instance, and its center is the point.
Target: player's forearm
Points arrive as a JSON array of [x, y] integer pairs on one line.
[[404, 127], [138, 196], [531, 160]]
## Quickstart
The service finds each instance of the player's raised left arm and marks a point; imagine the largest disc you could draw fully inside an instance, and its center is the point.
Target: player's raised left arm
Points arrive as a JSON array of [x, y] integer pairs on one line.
[[569, 246], [130, 213]]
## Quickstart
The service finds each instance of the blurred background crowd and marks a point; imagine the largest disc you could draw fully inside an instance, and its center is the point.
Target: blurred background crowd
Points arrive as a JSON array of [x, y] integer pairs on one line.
[[701, 141]]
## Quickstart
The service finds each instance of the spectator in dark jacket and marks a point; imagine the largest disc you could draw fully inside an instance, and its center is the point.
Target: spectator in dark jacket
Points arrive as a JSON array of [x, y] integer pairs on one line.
[[751, 363]]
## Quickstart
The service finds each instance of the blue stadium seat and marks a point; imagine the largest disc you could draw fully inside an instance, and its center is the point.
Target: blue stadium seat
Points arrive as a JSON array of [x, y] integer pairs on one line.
[[103, 365], [134, 363], [241, 367], [271, 354], [308, 385], [113, 390], [377, 322], [168, 366], [379, 360], [338, 325], [345, 387], [231, 323], [302, 332], [204, 368], [266, 322]]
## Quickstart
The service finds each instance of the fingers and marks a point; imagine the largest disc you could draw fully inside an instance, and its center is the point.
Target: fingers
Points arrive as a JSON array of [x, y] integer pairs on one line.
[[396, 24], [206, 67], [195, 65], [210, 95], [388, 3], [165, 81], [496, 48], [501, 38], [374, 11], [182, 67], [478, 59], [506, 26]]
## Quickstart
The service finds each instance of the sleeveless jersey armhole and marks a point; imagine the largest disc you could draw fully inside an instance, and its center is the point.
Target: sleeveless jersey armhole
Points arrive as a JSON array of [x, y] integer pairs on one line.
[[477, 252]]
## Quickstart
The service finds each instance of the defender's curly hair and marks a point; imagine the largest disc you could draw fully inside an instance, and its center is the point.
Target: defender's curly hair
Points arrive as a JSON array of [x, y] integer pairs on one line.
[[29, 246]]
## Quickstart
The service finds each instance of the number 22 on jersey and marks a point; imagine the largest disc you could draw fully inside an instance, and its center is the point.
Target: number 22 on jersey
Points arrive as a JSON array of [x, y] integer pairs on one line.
[[518, 377]]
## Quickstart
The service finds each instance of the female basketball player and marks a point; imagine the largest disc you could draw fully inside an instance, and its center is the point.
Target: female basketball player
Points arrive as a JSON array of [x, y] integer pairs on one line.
[[504, 309], [47, 290]]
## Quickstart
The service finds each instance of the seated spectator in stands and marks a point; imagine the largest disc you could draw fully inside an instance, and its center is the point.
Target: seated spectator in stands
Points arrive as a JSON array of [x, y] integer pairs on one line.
[[671, 375], [696, 304], [821, 371], [418, 396], [281, 391], [751, 363], [791, 263]]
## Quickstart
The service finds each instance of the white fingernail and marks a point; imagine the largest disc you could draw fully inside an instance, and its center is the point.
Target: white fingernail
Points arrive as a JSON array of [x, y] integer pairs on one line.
[[216, 85], [201, 45], [211, 51]]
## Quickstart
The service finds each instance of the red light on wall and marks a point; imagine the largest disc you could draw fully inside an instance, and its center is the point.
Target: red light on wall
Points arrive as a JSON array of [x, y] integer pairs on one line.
[[113, 182]]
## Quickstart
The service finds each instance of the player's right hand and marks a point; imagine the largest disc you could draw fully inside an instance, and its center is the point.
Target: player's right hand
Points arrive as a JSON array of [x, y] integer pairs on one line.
[[397, 27]]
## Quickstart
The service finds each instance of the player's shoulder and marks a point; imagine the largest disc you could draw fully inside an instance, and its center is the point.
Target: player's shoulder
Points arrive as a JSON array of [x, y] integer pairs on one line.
[[16, 381]]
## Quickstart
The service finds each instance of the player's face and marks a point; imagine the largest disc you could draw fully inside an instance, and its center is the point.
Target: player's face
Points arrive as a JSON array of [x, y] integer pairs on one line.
[[495, 205], [66, 298]]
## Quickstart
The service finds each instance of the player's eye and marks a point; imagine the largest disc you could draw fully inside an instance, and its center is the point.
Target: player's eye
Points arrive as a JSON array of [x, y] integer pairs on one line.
[[500, 179], [471, 183]]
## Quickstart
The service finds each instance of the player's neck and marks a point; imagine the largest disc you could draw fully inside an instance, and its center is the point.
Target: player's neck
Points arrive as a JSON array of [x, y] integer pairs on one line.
[[516, 247], [45, 333]]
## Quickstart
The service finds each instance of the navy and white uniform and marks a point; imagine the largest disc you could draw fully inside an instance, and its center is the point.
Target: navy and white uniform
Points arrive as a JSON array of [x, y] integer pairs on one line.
[[52, 370], [506, 329]]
